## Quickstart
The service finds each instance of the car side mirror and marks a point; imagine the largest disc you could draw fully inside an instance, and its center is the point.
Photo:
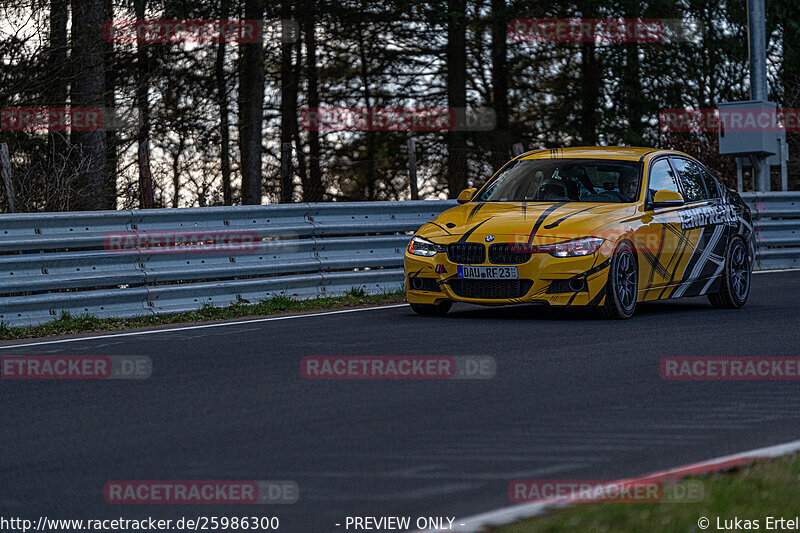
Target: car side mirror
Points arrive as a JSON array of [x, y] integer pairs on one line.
[[466, 195], [666, 198]]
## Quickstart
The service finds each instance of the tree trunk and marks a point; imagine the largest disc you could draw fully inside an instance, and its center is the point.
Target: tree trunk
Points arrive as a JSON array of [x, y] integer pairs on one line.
[[315, 190], [301, 155], [503, 138], [632, 85], [288, 104], [251, 106], [456, 93], [222, 102], [112, 141], [590, 94], [57, 83], [590, 87], [790, 68], [176, 173], [143, 106], [369, 173], [88, 17]]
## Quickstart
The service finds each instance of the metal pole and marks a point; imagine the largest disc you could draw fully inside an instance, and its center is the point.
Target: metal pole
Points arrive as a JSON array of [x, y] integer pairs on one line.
[[412, 168], [5, 170], [286, 173], [739, 184], [757, 43], [782, 158], [757, 32]]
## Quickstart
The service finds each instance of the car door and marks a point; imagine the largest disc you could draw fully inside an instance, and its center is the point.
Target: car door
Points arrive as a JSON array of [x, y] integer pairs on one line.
[[662, 244], [704, 210]]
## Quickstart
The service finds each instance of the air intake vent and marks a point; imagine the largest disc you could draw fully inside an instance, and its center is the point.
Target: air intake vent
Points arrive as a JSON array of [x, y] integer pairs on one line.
[[424, 284], [491, 289]]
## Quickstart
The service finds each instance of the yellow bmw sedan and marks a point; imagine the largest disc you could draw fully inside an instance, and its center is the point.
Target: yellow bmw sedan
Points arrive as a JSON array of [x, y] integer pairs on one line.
[[599, 227]]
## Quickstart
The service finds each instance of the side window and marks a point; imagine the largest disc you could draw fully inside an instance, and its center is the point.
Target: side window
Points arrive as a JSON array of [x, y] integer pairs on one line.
[[691, 176], [711, 184], [661, 177]]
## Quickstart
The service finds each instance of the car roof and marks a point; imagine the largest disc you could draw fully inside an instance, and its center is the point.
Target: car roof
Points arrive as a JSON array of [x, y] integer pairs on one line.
[[629, 153]]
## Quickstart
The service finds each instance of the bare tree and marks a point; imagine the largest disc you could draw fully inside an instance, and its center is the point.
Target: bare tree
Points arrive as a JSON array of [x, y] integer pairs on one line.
[[143, 106], [314, 191], [109, 97], [88, 85], [222, 103], [590, 85], [288, 99], [56, 83], [456, 91], [251, 106], [503, 140]]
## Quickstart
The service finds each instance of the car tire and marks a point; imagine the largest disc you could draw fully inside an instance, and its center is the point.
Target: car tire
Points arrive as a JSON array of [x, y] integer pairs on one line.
[[736, 274], [623, 284], [439, 309]]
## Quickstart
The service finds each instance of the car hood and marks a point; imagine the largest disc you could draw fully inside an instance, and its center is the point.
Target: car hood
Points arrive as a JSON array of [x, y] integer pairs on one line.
[[517, 221]]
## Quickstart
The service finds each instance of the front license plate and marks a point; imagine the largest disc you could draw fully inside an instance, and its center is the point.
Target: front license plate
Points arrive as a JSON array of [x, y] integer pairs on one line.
[[484, 272]]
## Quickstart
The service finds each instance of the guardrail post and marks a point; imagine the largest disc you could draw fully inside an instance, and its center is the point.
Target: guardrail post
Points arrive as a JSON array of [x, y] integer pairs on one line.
[[412, 168], [286, 173]]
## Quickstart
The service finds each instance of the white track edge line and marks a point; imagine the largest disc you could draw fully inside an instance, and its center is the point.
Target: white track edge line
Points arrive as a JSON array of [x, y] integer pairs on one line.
[[199, 326], [513, 513]]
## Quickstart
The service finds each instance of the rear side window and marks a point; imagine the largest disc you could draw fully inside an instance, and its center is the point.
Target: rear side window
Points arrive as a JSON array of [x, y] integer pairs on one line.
[[661, 177], [692, 180], [711, 184]]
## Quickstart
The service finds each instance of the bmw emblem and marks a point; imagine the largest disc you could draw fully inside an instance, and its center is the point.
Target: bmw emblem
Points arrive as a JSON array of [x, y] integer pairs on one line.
[[489, 238]]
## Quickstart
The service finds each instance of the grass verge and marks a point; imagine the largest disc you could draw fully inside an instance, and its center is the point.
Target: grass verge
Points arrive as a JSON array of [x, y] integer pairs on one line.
[[67, 324], [767, 488]]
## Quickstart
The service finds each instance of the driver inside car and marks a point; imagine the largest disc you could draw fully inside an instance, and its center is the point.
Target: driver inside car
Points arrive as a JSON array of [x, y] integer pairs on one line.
[[628, 184]]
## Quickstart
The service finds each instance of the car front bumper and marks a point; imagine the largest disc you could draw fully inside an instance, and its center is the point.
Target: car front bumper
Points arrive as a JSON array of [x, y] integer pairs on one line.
[[542, 279]]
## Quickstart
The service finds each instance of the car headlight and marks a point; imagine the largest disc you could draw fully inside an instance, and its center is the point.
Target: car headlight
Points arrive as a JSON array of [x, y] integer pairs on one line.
[[571, 248], [424, 247]]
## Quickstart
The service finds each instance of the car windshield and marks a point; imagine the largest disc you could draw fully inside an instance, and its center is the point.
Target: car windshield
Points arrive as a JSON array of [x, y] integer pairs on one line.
[[565, 180]]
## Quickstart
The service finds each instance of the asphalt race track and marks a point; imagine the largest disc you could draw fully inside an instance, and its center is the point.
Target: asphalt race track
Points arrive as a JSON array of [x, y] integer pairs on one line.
[[574, 397]]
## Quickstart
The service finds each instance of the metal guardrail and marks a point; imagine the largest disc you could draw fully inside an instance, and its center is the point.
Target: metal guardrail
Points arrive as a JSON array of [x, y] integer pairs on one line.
[[61, 262], [776, 217]]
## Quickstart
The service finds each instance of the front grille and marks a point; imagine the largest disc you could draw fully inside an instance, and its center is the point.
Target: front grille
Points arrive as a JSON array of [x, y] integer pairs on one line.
[[466, 252], [503, 254], [491, 289], [424, 284]]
